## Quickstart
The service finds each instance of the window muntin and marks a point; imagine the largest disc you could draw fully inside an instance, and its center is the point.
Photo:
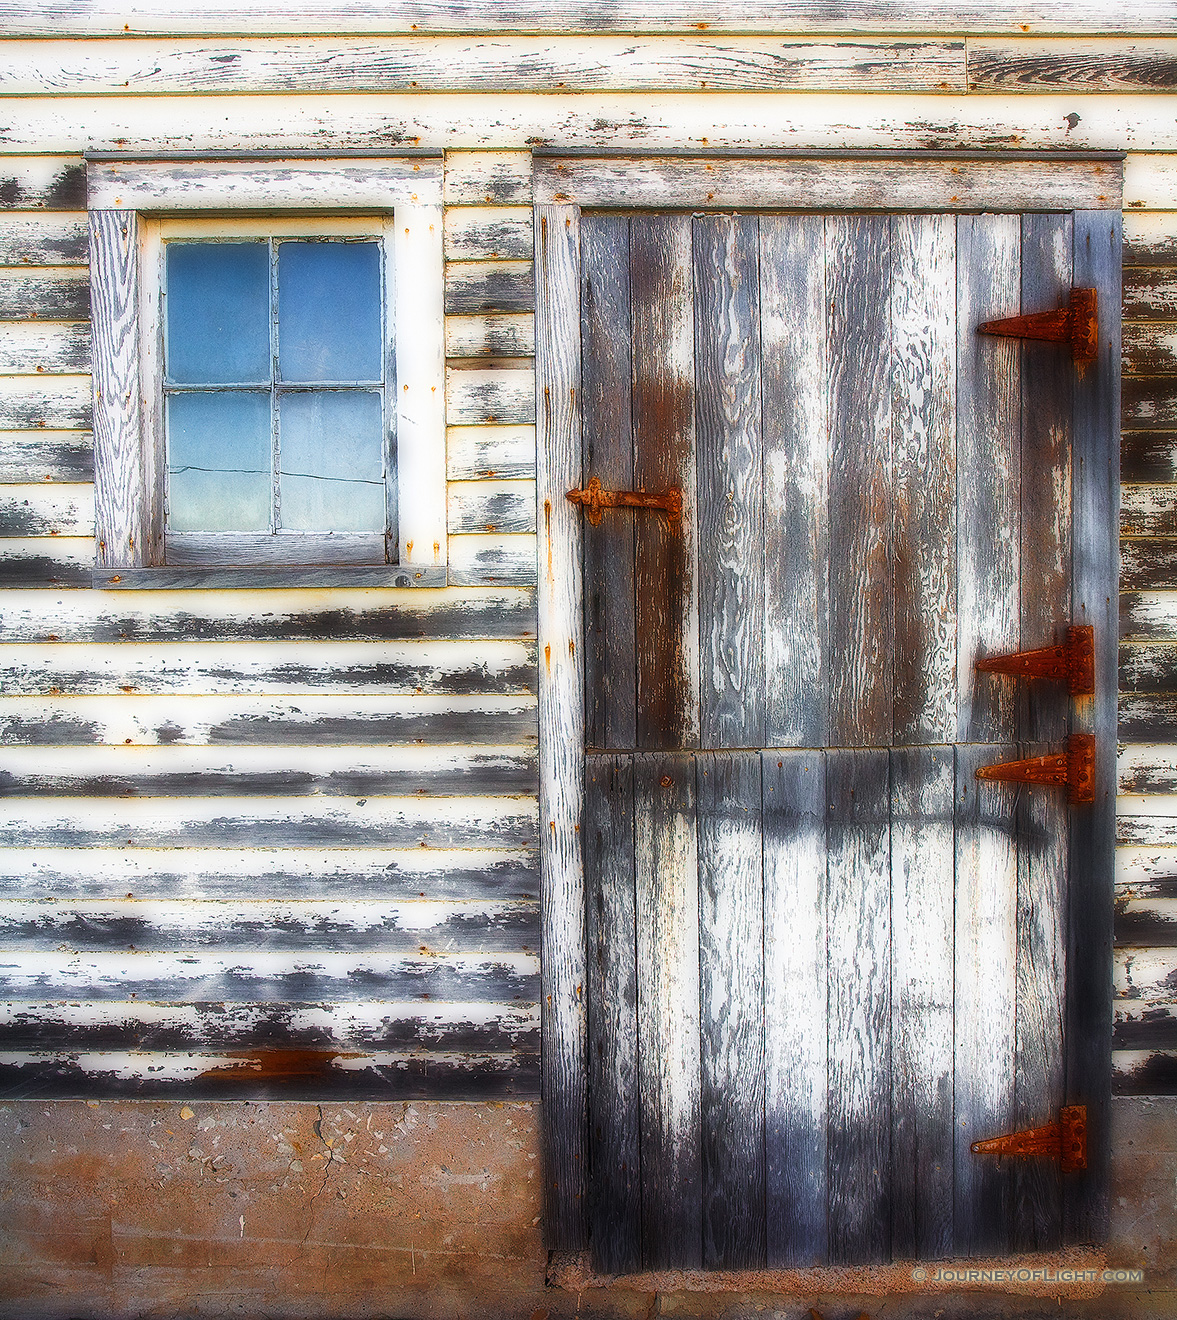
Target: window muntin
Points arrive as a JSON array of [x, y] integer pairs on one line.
[[279, 412]]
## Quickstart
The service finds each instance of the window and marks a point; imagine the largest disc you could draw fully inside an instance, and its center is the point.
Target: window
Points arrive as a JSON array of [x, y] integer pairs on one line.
[[269, 401]]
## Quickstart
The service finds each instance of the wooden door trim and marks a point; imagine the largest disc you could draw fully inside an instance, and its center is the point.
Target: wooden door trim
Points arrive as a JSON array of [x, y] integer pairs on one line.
[[879, 182]]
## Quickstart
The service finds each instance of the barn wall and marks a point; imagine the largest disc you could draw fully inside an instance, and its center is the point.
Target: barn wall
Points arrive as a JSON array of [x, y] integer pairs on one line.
[[222, 811]]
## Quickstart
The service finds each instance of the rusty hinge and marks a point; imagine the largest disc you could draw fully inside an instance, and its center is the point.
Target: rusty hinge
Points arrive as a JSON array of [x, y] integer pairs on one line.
[[1072, 663], [1074, 768], [1065, 1141], [596, 500], [1075, 324]]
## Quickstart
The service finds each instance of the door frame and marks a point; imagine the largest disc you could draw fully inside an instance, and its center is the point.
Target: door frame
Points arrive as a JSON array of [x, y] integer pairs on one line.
[[1090, 184]]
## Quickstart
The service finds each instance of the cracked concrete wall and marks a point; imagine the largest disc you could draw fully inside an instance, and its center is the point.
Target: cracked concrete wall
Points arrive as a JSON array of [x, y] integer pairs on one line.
[[134, 1208]]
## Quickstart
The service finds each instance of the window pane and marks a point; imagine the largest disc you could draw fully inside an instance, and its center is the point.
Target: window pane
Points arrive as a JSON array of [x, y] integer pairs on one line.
[[329, 311], [219, 462], [218, 313], [332, 445]]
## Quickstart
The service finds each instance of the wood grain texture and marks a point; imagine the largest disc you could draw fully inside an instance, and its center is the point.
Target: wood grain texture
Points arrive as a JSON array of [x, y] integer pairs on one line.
[[43, 240], [490, 334], [52, 348], [794, 439], [1150, 293], [1097, 264], [1107, 65], [922, 991], [795, 1006], [61, 296], [487, 233], [492, 561], [1148, 455], [1150, 348], [490, 506], [1150, 238], [57, 510], [610, 646], [475, 453], [42, 561], [120, 476], [165, 17], [1046, 477], [1149, 402], [923, 430], [667, 889], [862, 609], [46, 455], [553, 64], [730, 481], [846, 183], [43, 183], [667, 555], [492, 396], [1148, 510], [988, 469], [56, 403], [858, 917], [985, 999], [488, 286], [731, 1008], [561, 712], [615, 1192], [353, 873], [492, 178]]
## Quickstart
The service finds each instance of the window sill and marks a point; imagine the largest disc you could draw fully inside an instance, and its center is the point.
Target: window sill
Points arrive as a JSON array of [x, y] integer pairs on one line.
[[177, 578]]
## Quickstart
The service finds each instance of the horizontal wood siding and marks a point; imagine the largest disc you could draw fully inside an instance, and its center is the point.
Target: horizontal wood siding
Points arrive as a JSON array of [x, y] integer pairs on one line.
[[267, 842], [1144, 1037]]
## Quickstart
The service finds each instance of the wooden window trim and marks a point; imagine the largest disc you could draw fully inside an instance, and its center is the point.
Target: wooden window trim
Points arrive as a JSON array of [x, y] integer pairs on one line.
[[129, 202]]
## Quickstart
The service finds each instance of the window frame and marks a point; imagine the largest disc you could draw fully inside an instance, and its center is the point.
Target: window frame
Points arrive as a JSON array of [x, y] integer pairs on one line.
[[135, 205]]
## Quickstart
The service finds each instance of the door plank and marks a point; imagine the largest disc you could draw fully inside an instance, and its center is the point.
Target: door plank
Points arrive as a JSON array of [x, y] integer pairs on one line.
[[1043, 715], [561, 721], [922, 869], [923, 413], [609, 646], [666, 573], [1092, 834], [731, 961], [985, 997], [859, 979], [730, 486], [796, 483], [795, 1030], [858, 269], [667, 904], [615, 1198], [988, 270]]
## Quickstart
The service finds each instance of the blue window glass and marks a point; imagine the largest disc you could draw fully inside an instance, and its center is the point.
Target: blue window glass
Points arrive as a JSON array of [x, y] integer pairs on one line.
[[329, 312], [218, 313], [219, 461], [332, 444]]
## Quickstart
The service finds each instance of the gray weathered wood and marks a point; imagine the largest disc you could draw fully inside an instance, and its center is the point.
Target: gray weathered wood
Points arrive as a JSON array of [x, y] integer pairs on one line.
[[120, 476], [731, 1007], [846, 183], [1148, 455], [615, 1196], [43, 455], [51, 348], [491, 396], [730, 483], [985, 999], [1148, 510], [490, 178], [1148, 616], [561, 712], [1150, 237], [858, 342], [667, 904], [217, 577], [1105, 65], [485, 506], [988, 470], [1148, 563], [475, 453], [795, 442], [42, 561], [488, 286], [57, 510], [1097, 264], [45, 297], [36, 18], [922, 959], [488, 233], [609, 639], [1150, 402], [1150, 348], [795, 1028], [55, 403], [523, 63], [43, 183], [1146, 715], [858, 918], [490, 334], [923, 426], [667, 553], [1150, 293], [43, 240], [492, 561]]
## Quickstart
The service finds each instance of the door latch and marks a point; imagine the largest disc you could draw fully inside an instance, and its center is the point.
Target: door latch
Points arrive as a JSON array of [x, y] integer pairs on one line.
[[1064, 1141], [1072, 663], [1074, 769], [596, 500], [1075, 324]]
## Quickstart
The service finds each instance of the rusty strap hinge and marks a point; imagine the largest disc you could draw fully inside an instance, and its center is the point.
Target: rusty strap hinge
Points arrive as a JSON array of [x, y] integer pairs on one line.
[[596, 500], [1065, 1141], [1074, 768], [1075, 324], [1072, 663]]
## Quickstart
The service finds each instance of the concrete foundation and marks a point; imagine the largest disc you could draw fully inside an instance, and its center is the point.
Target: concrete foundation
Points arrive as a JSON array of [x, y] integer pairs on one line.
[[422, 1210]]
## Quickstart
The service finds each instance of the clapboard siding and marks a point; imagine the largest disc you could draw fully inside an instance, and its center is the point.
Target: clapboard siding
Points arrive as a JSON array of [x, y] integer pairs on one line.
[[43, 240], [44, 348], [46, 455], [1105, 65]]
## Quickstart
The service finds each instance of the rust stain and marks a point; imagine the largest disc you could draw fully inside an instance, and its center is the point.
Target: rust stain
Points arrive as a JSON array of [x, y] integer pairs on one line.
[[285, 1065]]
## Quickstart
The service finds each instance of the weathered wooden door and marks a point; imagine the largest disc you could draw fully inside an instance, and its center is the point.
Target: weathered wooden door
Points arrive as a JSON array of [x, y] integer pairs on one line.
[[823, 959]]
